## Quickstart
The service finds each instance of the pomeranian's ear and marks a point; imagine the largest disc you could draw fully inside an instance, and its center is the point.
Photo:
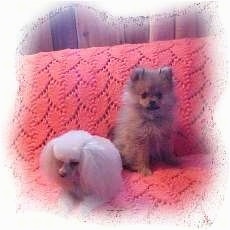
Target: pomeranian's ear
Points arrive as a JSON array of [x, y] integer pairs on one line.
[[137, 74], [166, 72]]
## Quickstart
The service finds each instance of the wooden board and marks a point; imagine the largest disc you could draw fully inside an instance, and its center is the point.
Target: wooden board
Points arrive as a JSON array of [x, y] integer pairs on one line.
[[162, 28], [203, 24], [63, 29], [136, 30], [186, 25], [37, 39], [81, 26], [96, 29]]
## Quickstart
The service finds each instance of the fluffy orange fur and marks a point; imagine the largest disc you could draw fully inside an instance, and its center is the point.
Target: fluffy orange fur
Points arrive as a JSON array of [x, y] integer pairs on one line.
[[144, 128]]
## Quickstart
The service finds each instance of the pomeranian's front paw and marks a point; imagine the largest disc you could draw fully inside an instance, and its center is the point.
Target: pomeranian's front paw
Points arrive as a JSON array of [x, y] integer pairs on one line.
[[145, 171]]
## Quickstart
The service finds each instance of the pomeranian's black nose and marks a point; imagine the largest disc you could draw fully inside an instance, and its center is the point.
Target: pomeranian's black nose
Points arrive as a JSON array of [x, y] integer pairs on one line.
[[153, 105]]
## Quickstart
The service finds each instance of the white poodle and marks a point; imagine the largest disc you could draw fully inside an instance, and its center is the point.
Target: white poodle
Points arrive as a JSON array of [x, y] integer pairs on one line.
[[83, 165]]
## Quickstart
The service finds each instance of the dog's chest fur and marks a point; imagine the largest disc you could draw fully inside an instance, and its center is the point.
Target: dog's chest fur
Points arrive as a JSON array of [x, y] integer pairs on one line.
[[134, 128], [152, 130]]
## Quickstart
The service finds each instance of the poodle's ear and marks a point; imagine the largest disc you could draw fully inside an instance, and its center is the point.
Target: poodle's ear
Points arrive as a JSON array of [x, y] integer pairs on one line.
[[97, 169], [47, 161]]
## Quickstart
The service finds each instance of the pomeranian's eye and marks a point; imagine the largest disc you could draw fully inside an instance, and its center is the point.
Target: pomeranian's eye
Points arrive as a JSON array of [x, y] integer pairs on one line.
[[144, 95], [158, 95], [73, 164]]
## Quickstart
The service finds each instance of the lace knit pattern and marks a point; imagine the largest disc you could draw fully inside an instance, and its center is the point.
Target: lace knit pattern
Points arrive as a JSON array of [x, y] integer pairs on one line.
[[81, 89]]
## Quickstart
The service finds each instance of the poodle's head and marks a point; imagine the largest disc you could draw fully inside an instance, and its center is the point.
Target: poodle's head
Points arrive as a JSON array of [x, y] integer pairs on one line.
[[67, 150], [88, 164], [60, 158], [68, 169], [67, 160], [61, 170]]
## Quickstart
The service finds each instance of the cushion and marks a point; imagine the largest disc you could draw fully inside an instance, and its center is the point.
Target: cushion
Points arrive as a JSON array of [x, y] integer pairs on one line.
[[81, 89]]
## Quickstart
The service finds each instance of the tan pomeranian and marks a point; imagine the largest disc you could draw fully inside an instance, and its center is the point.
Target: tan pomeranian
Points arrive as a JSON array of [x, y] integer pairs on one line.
[[144, 128]]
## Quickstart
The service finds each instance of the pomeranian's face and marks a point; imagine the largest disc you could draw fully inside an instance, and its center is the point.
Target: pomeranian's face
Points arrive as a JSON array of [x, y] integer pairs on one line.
[[152, 90]]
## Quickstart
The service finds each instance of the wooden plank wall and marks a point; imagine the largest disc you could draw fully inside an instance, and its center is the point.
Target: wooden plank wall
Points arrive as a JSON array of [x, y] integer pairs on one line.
[[79, 26], [63, 30], [96, 29]]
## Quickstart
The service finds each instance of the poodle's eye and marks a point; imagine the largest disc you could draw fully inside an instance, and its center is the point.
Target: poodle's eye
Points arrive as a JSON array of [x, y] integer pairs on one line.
[[158, 95], [73, 164], [144, 95]]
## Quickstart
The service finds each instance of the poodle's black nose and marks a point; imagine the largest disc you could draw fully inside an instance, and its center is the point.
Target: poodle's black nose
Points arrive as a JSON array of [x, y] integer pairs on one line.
[[62, 173]]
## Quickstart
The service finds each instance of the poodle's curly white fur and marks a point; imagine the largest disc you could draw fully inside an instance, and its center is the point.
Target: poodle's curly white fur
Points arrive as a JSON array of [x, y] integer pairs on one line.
[[83, 164]]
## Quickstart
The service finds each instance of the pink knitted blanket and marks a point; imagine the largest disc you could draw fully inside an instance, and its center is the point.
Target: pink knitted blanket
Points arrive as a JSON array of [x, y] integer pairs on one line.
[[81, 89]]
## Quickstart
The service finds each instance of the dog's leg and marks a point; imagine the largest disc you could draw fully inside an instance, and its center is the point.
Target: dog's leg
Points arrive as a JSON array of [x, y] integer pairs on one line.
[[143, 162], [136, 158], [135, 155], [142, 157], [167, 152]]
